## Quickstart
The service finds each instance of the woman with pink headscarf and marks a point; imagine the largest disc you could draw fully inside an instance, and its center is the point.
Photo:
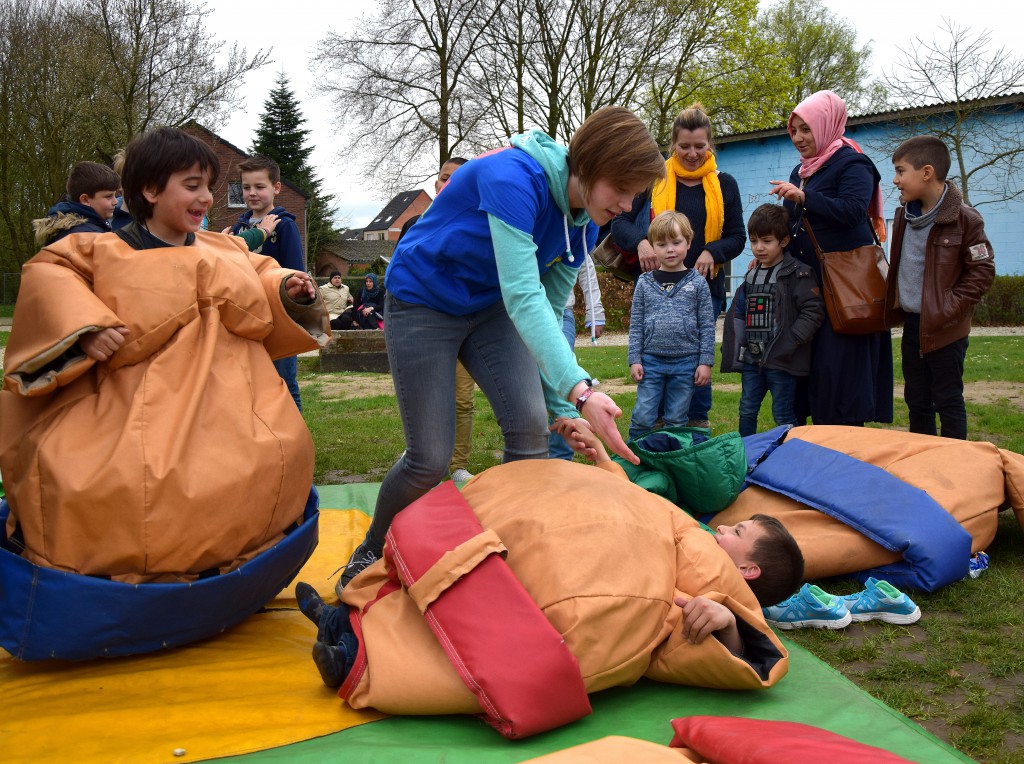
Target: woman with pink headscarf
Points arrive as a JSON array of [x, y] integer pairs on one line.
[[835, 187]]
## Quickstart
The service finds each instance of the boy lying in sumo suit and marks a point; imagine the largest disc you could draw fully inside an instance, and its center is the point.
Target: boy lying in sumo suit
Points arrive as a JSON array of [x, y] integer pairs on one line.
[[631, 585]]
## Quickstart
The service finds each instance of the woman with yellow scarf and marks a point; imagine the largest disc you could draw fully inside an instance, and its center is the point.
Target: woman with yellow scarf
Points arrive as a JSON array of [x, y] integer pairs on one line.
[[710, 199]]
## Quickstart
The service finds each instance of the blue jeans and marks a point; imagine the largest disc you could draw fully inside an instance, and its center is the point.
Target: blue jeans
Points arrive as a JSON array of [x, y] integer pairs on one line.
[[756, 384], [700, 403], [288, 370], [667, 386], [557, 447], [423, 345]]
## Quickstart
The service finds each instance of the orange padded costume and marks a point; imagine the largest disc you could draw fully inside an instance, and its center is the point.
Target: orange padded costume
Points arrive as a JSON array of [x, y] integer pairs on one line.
[[971, 480], [603, 559], [182, 453]]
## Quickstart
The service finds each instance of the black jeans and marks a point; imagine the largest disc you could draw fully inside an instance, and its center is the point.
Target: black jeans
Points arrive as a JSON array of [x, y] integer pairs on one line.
[[934, 383]]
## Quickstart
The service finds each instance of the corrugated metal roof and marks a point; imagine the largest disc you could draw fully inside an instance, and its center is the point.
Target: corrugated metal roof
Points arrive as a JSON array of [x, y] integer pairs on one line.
[[885, 116]]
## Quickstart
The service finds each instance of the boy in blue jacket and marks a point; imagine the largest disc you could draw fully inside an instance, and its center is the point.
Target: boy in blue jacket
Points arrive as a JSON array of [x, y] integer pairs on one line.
[[671, 329], [261, 183], [92, 198]]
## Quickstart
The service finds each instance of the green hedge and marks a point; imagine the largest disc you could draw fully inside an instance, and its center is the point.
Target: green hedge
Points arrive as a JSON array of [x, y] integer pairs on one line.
[[1003, 304]]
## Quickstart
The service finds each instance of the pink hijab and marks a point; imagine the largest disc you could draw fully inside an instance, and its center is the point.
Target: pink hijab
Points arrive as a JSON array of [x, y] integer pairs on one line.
[[825, 114]]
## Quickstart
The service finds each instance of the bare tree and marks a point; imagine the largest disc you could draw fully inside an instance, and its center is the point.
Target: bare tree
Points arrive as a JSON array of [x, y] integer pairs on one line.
[[969, 85], [163, 64], [405, 88], [50, 106], [78, 78]]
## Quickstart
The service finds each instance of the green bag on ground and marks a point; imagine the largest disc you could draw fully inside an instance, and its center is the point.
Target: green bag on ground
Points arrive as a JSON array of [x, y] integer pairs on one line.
[[685, 465]]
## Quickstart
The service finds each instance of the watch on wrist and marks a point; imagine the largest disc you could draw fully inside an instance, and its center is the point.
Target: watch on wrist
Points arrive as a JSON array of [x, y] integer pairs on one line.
[[584, 396]]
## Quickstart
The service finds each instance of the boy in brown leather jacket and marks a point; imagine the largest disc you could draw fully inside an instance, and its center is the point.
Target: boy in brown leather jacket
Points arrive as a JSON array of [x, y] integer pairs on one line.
[[942, 264]]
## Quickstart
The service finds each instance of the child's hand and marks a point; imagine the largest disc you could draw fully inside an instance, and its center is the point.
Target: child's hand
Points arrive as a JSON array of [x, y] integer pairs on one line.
[[702, 376], [703, 617], [269, 223], [636, 371], [226, 230], [300, 284], [103, 344], [579, 435]]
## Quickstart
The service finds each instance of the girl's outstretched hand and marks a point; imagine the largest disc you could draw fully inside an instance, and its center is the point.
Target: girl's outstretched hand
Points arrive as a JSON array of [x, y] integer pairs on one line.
[[601, 412]]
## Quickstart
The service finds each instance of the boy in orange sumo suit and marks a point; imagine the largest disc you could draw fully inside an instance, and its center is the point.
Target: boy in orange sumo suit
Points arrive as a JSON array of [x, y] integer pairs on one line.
[[140, 400], [634, 585]]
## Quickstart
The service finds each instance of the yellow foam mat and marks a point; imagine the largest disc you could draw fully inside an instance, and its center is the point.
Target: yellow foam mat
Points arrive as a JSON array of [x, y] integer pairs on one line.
[[251, 688]]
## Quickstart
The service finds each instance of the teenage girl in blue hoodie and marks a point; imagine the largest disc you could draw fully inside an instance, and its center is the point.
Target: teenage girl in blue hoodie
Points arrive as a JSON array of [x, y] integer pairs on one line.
[[483, 277]]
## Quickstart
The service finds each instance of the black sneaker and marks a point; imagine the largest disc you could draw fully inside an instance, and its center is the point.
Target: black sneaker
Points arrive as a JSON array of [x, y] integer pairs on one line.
[[361, 559], [330, 662], [310, 603]]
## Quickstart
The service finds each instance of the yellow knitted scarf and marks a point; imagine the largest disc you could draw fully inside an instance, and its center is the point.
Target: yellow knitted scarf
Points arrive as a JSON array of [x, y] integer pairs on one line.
[[664, 195]]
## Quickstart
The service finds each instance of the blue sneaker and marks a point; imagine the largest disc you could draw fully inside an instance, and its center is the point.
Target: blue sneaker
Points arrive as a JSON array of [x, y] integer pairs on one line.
[[809, 607], [882, 601]]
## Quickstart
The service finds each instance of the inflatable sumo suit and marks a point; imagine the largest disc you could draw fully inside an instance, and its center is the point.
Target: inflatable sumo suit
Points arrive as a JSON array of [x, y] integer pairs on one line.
[[180, 459], [601, 558], [901, 506]]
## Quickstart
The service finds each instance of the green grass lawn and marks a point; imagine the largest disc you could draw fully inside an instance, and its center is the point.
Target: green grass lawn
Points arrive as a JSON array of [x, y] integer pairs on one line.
[[959, 671]]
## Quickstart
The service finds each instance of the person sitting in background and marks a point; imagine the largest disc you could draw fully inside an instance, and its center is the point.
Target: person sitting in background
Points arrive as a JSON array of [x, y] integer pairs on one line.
[[370, 312], [338, 300]]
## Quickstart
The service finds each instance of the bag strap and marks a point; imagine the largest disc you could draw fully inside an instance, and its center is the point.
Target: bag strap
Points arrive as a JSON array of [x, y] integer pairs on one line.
[[817, 248]]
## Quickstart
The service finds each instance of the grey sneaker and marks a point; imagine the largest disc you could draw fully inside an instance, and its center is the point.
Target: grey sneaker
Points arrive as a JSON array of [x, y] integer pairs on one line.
[[461, 475], [361, 559]]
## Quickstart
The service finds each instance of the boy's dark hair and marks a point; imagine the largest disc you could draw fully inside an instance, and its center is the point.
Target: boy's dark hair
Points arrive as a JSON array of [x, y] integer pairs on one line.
[[925, 149], [457, 161], [259, 162], [335, 273], [90, 178], [769, 219], [151, 158], [780, 560]]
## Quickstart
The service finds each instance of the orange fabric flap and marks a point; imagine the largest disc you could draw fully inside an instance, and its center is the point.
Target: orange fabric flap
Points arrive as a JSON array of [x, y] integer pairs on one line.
[[453, 565]]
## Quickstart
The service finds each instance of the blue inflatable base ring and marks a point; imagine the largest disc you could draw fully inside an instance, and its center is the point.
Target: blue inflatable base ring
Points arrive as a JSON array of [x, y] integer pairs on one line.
[[49, 614]]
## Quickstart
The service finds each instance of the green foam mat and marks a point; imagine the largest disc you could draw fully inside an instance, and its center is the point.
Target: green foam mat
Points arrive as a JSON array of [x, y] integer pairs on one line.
[[812, 693]]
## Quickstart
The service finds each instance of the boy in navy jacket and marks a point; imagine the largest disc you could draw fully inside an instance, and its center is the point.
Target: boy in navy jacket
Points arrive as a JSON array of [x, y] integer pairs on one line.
[[261, 183], [92, 198]]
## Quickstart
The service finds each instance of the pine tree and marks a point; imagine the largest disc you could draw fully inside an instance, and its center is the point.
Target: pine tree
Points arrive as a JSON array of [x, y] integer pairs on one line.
[[282, 137]]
